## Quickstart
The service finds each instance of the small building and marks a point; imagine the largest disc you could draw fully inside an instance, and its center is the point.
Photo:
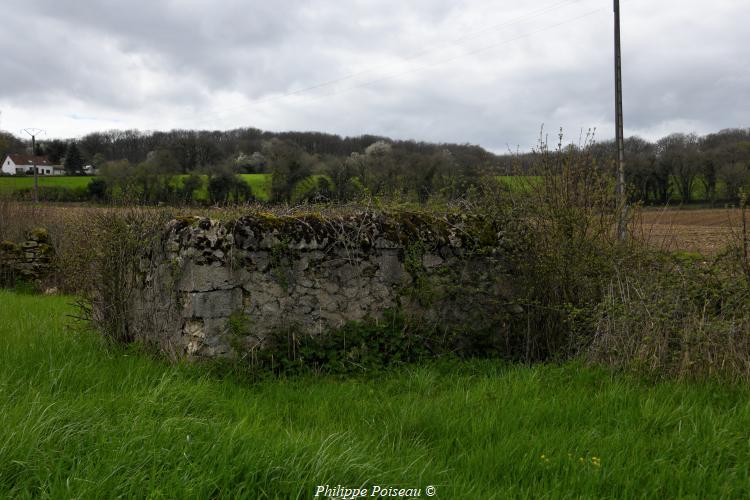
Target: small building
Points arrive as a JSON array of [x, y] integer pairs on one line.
[[18, 164]]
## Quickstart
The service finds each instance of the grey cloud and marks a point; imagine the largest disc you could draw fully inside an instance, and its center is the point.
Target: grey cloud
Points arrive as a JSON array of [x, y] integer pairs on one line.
[[227, 63]]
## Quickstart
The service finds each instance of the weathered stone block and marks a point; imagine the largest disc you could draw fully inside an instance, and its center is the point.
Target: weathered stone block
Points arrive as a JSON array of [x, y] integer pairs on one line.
[[431, 260], [213, 304], [202, 278], [390, 268]]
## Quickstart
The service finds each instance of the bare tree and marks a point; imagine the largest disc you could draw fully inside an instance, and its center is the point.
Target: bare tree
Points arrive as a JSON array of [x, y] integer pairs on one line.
[[678, 155]]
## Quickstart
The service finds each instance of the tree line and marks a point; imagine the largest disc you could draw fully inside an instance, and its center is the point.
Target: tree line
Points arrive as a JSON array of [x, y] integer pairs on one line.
[[685, 167], [196, 149], [173, 166]]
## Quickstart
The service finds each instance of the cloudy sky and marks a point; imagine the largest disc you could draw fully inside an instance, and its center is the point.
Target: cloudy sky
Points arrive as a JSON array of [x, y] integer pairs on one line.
[[486, 72]]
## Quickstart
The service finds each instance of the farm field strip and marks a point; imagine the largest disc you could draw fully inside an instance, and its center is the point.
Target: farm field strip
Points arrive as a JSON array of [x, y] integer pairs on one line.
[[705, 231]]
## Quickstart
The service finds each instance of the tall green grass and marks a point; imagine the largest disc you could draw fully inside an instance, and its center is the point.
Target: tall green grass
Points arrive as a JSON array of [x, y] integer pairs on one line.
[[79, 421]]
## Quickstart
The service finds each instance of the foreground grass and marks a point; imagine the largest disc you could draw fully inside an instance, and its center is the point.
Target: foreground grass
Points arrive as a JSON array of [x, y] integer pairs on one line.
[[79, 421]]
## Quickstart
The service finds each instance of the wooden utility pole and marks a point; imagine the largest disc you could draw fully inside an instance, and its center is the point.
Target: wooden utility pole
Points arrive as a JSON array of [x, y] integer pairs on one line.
[[622, 220], [33, 133]]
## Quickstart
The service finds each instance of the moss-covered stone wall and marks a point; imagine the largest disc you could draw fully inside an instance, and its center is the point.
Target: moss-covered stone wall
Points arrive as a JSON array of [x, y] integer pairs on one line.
[[210, 288], [29, 261]]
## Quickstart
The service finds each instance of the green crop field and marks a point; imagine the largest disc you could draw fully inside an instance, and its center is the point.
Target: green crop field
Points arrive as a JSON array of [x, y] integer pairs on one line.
[[82, 421], [9, 184]]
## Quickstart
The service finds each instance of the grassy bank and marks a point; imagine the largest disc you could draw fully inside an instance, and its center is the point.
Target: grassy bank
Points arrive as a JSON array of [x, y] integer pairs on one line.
[[78, 421]]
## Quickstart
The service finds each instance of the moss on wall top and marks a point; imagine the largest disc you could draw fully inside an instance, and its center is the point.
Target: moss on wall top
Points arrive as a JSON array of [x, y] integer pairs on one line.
[[363, 229]]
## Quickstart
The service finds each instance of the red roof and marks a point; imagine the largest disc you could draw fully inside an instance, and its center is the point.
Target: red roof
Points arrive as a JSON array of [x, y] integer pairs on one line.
[[30, 160]]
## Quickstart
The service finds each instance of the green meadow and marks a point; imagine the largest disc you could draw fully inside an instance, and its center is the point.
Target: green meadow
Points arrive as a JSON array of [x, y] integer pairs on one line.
[[9, 184], [261, 185], [81, 420]]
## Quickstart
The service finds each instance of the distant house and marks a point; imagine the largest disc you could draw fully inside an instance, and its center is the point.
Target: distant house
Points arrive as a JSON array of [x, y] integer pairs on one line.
[[24, 164], [90, 170]]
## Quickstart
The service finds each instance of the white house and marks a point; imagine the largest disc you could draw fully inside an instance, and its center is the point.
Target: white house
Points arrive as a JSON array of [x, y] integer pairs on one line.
[[90, 170], [23, 165]]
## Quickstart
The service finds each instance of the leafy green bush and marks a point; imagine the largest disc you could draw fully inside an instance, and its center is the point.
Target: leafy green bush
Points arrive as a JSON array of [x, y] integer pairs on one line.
[[225, 186], [98, 190], [358, 346]]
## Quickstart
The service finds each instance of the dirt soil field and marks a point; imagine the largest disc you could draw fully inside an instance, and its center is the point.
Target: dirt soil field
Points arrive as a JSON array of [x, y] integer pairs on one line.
[[707, 231]]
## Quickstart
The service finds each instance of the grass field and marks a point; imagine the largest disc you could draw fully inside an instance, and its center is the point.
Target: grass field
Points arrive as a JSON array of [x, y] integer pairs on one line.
[[9, 184], [79, 421], [260, 184]]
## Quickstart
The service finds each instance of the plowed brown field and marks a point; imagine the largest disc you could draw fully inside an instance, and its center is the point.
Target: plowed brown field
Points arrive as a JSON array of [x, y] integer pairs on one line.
[[707, 231]]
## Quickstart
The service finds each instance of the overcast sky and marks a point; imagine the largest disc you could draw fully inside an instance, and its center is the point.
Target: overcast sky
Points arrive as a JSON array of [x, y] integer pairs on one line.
[[486, 72]]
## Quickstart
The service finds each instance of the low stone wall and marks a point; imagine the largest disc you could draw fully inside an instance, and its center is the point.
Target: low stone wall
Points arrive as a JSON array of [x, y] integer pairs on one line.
[[29, 260], [210, 288]]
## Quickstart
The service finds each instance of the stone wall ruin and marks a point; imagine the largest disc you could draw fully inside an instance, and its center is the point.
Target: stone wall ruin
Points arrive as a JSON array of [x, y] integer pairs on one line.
[[28, 261], [211, 288]]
